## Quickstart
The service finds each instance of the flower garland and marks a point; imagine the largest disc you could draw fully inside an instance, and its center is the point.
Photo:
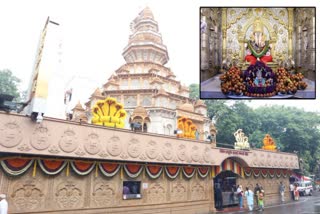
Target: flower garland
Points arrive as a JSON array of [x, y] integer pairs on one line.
[[154, 171], [203, 172], [256, 172], [133, 170], [247, 171], [109, 169], [16, 166], [82, 168], [52, 167], [264, 173], [188, 171], [172, 171]]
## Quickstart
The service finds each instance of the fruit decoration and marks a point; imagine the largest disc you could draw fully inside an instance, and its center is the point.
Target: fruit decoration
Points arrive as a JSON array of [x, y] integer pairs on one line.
[[260, 81]]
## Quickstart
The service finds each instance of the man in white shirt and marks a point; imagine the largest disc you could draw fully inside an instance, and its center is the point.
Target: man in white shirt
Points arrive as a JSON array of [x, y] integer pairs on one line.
[[291, 191], [3, 204]]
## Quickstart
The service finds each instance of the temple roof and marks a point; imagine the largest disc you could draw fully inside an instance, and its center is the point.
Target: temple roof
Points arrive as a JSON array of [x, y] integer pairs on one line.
[[187, 107], [78, 107], [200, 103], [145, 42]]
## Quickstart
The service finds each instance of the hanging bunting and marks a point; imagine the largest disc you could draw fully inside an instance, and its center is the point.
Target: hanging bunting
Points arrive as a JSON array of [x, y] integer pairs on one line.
[[271, 173], [172, 171], [256, 172], [52, 167], [247, 171], [154, 171], [264, 173], [188, 171], [16, 166], [278, 173], [284, 173], [109, 169], [203, 171], [133, 170], [82, 168]]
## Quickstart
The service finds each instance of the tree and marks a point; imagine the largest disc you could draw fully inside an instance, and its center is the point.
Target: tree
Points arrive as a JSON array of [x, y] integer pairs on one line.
[[194, 91], [9, 83]]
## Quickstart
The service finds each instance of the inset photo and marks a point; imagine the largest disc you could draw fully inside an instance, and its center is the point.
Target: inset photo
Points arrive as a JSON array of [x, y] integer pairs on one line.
[[264, 53]]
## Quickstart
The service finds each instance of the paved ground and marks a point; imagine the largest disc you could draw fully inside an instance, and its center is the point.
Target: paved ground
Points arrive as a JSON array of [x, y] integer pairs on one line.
[[306, 205]]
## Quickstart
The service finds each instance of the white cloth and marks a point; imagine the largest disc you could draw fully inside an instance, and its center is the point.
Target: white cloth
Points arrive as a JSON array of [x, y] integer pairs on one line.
[[3, 206], [291, 187]]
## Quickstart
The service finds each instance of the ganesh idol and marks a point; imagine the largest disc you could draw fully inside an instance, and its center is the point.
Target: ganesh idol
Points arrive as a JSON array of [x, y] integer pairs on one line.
[[257, 47]]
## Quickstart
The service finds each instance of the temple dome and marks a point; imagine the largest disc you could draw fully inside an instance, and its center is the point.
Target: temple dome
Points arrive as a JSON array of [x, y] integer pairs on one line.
[[200, 103], [187, 107]]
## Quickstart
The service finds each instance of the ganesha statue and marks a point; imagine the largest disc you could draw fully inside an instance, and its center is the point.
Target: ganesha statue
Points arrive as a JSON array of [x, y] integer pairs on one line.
[[258, 47]]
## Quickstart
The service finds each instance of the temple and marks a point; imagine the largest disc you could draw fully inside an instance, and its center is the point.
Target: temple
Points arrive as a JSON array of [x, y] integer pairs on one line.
[[151, 95], [140, 145], [278, 41]]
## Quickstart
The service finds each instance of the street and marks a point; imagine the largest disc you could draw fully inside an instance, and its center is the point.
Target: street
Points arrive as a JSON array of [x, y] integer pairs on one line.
[[306, 205]]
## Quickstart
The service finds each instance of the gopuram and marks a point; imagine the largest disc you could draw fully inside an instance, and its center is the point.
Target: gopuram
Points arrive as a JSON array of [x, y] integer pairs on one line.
[[140, 146]]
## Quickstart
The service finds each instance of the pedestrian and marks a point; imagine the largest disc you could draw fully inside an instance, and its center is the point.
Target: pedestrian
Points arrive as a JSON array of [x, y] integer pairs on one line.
[[281, 190], [292, 191], [219, 200], [296, 193], [260, 199], [249, 195], [240, 196], [256, 193], [3, 204]]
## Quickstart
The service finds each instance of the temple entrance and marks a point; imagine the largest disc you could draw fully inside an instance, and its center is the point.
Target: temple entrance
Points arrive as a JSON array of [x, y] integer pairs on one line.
[[227, 182]]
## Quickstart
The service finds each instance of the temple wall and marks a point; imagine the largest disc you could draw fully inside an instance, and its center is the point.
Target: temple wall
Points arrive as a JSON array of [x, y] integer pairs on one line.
[[97, 194]]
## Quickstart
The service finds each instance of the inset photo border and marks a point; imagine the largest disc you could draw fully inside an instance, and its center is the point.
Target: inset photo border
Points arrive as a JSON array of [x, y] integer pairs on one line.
[[257, 52]]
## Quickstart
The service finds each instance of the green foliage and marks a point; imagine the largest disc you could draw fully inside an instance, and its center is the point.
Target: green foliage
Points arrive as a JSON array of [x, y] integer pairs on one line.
[[292, 129], [9, 83], [194, 91]]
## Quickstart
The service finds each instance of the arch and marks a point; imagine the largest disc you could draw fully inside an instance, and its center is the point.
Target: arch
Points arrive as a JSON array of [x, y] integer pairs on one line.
[[232, 163]]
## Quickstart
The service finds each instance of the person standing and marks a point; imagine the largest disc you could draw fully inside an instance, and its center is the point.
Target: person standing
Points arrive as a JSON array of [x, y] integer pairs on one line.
[[249, 195], [3, 204], [291, 191], [256, 193], [296, 193], [281, 190], [219, 199], [240, 195], [260, 199]]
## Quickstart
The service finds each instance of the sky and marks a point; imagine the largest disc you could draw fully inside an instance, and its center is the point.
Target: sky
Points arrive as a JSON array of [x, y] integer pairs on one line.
[[95, 32]]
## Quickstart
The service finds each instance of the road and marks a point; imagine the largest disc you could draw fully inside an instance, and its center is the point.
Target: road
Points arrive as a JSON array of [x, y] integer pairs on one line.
[[306, 205]]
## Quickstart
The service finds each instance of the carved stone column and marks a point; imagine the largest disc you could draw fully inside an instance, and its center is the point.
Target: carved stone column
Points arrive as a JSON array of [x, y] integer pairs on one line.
[[205, 47]]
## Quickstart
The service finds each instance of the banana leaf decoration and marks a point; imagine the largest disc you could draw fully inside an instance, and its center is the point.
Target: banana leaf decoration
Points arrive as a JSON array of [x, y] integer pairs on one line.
[[109, 113]]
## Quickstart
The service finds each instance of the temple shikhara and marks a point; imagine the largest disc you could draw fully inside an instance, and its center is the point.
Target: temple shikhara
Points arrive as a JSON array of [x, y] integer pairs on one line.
[[257, 52], [139, 145]]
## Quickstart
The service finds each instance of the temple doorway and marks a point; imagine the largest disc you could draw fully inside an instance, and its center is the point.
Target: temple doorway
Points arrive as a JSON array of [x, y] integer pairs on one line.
[[226, 182]]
